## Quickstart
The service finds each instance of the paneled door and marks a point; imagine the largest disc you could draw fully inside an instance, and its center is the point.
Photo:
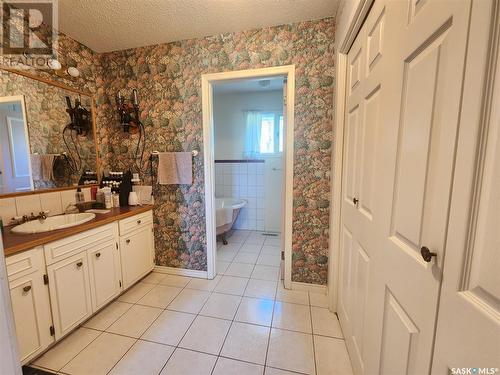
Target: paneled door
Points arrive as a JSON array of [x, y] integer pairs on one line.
[[365, 91], [468, 329], [398, 168]]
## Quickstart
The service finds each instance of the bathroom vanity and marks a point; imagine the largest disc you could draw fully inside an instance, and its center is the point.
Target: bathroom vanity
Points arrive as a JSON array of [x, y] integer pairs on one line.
[[59, 279]]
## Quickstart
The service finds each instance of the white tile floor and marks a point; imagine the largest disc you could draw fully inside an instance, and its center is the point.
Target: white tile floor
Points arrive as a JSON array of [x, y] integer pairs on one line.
[[242, 322]]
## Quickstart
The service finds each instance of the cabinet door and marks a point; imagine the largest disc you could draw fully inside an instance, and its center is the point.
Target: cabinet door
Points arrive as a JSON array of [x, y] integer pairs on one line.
[[136, 251], [104, 261], [70, 292], [31, 307]]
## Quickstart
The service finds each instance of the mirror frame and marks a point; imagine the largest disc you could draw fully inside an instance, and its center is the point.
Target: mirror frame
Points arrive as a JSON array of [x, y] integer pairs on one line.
[[60, 85]]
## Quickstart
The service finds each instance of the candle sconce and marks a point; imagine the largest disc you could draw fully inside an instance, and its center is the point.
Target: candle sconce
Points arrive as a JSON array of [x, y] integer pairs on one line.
[[128, 110]]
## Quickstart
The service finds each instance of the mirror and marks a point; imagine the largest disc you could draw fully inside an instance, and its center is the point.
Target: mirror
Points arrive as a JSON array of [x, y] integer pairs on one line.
[[46, 135]]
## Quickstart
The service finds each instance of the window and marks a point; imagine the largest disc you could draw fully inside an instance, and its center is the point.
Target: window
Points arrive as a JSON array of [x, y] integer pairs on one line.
[[271, 133], [264, 134]]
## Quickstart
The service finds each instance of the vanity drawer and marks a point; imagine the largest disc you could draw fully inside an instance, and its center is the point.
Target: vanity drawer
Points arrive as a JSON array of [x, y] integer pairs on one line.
[[25, 263], [135, 222], [62, 249]]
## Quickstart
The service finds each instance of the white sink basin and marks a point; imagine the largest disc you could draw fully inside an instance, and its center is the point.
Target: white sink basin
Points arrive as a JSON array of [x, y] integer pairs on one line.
[[53, 223]]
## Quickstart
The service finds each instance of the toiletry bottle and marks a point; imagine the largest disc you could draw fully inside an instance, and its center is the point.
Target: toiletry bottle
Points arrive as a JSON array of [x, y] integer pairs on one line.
[[79, 197]]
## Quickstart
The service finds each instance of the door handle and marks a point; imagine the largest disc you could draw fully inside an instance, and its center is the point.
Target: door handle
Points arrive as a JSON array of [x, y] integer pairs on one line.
[[97, 255], [79, 264], [27, 288], [427, 254], [355, 201]]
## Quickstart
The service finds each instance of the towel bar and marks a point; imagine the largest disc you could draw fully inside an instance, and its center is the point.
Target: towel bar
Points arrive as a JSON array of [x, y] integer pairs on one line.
[[194, 152]]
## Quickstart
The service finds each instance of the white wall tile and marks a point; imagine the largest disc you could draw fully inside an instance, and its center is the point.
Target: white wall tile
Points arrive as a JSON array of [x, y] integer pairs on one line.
[[228, 179], [228, 191], [51, 202], [252, 191], [252, 214], [219, 169], [261, 203], [67, 198], [252, 168], [259, 180], [219, 179], [27, 204], [260, 225], [244, 180], [243, 191], [241, 180], [243, 168], [7, 210]]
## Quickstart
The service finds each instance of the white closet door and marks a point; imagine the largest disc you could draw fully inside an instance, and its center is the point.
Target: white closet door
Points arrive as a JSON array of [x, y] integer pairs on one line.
[[400, 149], [468, 329]]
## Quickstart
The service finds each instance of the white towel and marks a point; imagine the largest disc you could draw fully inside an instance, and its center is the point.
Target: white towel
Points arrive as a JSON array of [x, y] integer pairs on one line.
[[47, 161], [36, 167], [175, 168]]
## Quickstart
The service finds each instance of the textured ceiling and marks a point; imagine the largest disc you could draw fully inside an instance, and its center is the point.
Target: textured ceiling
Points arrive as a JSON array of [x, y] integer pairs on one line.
[[110, 25], [249, 85]]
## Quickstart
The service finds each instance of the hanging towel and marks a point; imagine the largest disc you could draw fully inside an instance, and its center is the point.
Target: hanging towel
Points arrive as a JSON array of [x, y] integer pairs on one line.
[[36, 167], [48, 166], [175, 168]]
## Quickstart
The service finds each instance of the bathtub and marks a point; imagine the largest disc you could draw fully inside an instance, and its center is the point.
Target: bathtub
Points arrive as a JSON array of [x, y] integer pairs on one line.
[[226, 212]]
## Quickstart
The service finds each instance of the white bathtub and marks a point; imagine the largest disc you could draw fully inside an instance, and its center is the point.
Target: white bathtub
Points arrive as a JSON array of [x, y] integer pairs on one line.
[[226, 212]]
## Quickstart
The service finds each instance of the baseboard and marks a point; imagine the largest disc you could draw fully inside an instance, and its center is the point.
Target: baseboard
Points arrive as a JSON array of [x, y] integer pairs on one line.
[[315, 288], [182, 272]]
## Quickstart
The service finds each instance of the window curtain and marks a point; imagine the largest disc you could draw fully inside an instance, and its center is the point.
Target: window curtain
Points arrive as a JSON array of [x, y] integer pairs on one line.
[[252, 134]]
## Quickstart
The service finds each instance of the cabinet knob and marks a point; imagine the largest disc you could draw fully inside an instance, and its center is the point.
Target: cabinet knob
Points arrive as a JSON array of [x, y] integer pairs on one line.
[[79, 264], [27, 288], [355, 201], [139, 221], [127, 241], [97, 255]]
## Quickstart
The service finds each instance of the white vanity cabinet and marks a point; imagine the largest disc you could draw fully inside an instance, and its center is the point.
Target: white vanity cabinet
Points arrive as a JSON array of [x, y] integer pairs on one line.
[[30, 302], [137, 247], [84, 275], [57, 287]]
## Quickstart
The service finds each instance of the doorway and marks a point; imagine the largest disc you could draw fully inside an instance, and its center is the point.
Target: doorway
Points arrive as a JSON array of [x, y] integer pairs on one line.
[[248, 138]]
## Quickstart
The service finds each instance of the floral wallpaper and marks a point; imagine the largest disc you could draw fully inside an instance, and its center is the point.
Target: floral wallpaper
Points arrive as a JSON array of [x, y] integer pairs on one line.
[[168, 78], [47, 117]]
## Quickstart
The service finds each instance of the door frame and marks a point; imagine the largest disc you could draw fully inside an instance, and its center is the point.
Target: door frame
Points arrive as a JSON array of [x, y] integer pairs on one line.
[[207, 82], [344, 45], [20, 98]]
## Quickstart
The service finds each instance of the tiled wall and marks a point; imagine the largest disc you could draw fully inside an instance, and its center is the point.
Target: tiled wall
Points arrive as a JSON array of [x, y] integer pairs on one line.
[[55, 202], [246, 181]]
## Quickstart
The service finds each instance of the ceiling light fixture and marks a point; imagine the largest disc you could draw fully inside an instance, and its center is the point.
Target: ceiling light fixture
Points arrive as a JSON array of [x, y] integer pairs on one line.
[[264, 82]]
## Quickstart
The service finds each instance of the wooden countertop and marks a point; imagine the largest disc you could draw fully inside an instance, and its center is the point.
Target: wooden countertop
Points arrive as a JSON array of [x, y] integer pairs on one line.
[[14, 243]]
